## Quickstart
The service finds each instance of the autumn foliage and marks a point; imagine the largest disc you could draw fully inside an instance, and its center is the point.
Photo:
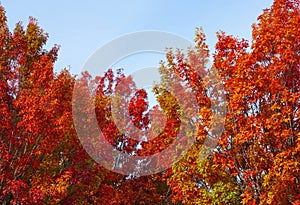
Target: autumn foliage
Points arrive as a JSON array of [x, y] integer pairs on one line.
[[254, 160]]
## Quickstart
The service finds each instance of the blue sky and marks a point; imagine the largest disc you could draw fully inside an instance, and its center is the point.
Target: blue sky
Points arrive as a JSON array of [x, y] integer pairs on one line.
[[83, 27]]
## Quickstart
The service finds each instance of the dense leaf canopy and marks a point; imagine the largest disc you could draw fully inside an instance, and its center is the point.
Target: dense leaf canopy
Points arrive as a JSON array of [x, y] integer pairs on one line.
[[256, 159]]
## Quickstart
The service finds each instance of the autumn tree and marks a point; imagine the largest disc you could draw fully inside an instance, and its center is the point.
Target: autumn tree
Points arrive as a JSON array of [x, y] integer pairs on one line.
[[192, 180], [26, 101], [119, 110], [257, 158], [41, 159]]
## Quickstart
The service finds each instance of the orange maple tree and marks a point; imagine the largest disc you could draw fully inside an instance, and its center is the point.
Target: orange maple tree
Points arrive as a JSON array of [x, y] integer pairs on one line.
[[257, 159]]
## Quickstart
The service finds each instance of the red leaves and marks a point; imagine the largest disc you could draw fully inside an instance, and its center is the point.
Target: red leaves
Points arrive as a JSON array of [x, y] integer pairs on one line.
[[17, 186], [137, 108], [37, 196], [18, 189]]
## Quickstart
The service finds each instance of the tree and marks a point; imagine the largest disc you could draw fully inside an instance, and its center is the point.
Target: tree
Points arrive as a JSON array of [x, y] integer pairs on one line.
[[116, 98], [26, 103], [257, 158], [194, 179], [41, 158]]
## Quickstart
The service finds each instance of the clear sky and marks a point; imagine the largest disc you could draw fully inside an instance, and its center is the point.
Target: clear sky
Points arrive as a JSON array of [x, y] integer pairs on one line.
[[81, 27]]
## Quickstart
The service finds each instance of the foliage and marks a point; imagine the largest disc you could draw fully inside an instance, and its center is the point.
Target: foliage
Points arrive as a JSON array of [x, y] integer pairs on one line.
[[256, 159]]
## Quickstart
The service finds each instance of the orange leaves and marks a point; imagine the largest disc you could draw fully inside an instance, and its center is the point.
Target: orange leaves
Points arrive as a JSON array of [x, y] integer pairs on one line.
[[247, 198], [61, 185], [272, 130], [283, 178], [260, 144]]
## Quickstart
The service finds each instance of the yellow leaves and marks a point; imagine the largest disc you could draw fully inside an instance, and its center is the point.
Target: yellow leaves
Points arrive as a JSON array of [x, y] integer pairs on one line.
[[270, 198], [62, 183], [275, 106]]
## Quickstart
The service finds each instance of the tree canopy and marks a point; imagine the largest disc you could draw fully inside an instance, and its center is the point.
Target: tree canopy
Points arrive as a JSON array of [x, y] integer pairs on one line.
[[255, 160]]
